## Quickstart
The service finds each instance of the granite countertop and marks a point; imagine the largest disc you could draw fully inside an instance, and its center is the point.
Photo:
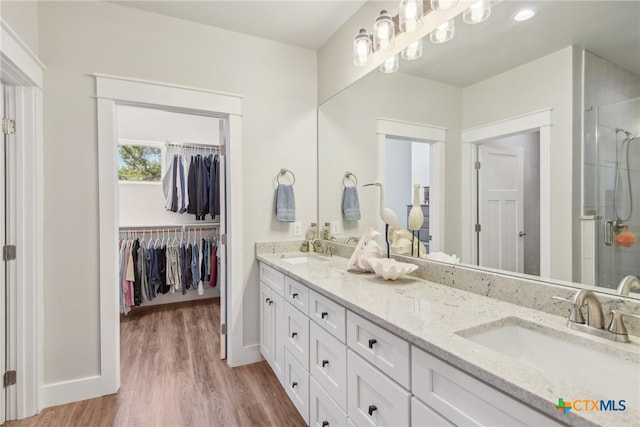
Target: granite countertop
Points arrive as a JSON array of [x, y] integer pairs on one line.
[[429, 316]]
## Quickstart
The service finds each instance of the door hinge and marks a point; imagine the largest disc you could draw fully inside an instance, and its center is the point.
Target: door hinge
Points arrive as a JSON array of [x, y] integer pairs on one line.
[[10, 378], [8, 126], [478, 228], [223, 239], [9, 252], [223, 150], [223, 329], [477, 165]]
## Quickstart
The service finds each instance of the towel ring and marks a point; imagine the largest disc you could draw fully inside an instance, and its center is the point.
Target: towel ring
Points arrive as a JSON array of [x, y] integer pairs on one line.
[[284, 172], [348, 175]]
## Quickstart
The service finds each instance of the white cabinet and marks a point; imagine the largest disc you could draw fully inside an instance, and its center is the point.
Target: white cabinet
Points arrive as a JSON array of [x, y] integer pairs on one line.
[[424, 416], [271, 329], [296, 384], [373, 399], [381, 348], [272, 277], [328, 364], [296, 334], [328, 314], [323, 411], [296, 294], [464, 400]]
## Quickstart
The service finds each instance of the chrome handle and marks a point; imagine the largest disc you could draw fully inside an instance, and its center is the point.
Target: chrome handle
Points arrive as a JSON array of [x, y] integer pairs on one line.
[[617, 326], [608, 233], [575, 315]]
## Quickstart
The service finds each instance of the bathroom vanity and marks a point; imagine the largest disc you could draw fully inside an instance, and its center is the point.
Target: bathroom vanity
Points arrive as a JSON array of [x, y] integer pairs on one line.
[[353, 349]]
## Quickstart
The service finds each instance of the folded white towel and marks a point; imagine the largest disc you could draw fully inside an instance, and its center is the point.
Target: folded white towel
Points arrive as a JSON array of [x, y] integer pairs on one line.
[[285, 203]]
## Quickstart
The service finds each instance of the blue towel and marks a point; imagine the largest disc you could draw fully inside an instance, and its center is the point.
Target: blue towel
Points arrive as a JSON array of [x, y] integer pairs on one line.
[[285, 204], [350, 204]]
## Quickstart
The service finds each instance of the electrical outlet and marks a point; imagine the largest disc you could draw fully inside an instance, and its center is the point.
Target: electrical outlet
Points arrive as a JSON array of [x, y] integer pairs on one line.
[[335, 227], [297, 229]]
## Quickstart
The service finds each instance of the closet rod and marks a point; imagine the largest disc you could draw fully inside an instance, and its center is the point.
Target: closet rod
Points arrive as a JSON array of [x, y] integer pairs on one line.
[[169, 144], [185, 227]]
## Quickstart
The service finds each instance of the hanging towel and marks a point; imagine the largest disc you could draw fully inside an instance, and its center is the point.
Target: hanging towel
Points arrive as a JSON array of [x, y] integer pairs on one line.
[[350, 204], [285, 203]]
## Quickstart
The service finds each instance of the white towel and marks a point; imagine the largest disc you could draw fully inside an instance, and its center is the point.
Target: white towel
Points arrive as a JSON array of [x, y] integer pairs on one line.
[[285, 203]]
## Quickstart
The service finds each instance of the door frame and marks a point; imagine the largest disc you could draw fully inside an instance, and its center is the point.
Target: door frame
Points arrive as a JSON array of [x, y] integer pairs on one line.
[[436, 135], [537, 120], [112, 91], [22, 68]]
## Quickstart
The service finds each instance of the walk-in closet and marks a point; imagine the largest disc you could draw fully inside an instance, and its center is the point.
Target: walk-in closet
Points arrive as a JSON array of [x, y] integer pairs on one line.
[[169, 208]]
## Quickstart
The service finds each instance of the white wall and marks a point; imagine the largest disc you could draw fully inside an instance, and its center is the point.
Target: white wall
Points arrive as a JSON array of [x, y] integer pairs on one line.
[[77, 39], [22, 17], [544, 83], [397, 177], [348, 141], [420, 161]]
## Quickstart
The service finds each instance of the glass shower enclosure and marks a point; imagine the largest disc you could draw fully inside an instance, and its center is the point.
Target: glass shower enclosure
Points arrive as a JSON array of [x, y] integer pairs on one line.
[[618, 192]]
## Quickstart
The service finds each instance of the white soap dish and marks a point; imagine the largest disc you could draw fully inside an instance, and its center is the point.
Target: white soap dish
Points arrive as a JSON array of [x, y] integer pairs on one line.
[[390, 269]]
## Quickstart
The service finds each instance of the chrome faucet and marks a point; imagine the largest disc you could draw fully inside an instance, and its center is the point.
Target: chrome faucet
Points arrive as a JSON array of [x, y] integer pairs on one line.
[[626, 284], [594, 324]]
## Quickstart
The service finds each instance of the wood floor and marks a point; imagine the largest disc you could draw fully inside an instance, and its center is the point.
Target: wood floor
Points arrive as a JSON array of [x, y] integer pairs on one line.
[[171, 375]]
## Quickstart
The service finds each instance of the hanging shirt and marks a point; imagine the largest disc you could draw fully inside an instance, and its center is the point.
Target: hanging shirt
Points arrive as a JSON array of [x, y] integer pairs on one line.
[[214, 264]]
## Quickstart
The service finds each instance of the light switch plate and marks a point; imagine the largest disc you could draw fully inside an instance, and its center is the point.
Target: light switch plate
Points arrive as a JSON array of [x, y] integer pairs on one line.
[[335, 227], [297, 229]]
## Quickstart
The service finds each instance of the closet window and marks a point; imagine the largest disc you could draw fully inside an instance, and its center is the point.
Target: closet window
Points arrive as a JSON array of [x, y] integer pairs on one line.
[[140, 163]]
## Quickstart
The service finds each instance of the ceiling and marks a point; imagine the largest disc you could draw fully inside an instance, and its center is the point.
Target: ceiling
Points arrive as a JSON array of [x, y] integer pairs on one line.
[[304, 23], [610, 29]]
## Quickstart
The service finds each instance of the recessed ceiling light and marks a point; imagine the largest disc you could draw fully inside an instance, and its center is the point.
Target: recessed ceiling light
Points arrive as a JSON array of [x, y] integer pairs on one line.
[[524, 14]]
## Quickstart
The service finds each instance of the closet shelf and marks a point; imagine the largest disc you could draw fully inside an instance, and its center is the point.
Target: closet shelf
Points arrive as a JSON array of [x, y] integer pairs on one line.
[[177, 227]]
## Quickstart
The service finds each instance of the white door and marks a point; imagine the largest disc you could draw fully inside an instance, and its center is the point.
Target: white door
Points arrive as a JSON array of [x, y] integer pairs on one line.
[[223, 231], [3, 301], [501, 217]]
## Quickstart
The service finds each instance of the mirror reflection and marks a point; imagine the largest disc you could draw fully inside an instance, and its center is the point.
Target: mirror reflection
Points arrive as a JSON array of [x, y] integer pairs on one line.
[[524, 134]]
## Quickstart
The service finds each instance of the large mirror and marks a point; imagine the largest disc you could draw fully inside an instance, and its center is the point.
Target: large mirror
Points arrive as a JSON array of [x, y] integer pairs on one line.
[[519, 130]]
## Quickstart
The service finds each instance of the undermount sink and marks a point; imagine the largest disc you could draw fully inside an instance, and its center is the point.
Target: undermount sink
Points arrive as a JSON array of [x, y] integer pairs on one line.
[[585, 363], [304, 259]]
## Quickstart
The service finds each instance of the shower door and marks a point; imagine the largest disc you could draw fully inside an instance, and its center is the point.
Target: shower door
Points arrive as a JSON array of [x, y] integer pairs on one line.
[[618, 206]]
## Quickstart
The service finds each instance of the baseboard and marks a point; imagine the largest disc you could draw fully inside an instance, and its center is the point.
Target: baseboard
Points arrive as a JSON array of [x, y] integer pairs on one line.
[[248, 354], [75, 390]]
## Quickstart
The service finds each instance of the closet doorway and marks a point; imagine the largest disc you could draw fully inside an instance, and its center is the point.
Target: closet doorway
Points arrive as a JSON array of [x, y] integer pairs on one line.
[[114, 93], [171, 207]]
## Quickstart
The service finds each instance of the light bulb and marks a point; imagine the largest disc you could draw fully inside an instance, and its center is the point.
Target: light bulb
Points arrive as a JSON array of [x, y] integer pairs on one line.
[[410, 15], [362, 49], [413, 51], [443, 4], [383, 32], [390, 65], [443, 33], [478, 12]]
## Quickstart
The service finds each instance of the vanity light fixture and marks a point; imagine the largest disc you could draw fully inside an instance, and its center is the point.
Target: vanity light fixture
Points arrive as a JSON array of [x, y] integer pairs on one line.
[[443, 33], [383, 32], [362, 50], [443, 4], [413, 51], [410, 15], [524, 15], [478, 12], [391, 65]]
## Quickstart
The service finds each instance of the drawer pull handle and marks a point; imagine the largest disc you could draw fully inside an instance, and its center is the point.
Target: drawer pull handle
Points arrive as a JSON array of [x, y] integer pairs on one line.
[[294, 296], [294, 334], [270, 302], [372, 341], [324, 314], [325, 362], [294, 384], [372, 408], [325, 424]]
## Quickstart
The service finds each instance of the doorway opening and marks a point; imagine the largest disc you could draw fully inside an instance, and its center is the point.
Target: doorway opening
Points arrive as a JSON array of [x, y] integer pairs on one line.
[[407, 162], [507, 195]]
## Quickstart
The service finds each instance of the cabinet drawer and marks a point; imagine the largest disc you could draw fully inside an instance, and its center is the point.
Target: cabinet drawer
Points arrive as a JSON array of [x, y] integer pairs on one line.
[[381, 348], [328, 314], [297, 294], [296, 334], [272, 277], [422, 415], [324, 412], [374, 400], [328, 363], [465, 400], [296, 384]]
